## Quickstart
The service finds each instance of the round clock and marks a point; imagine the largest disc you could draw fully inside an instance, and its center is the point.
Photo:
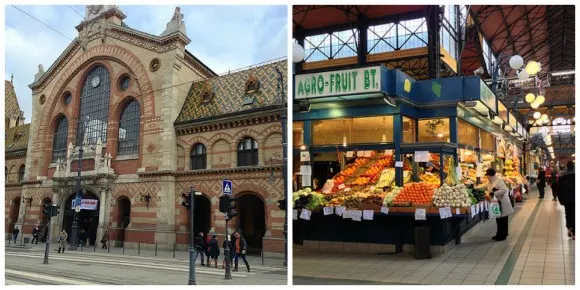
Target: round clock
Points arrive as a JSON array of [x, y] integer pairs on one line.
[[95, 81]]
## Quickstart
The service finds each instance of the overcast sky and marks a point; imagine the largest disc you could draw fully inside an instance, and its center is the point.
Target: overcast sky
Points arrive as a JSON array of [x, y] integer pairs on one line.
[[223, 37]]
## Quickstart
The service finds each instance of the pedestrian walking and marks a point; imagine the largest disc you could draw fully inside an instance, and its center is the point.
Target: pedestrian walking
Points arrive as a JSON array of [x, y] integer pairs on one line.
[[214, 250], [201, 246], [566, 192], [62, 241], [15, 233], [227, 243], [240, 247], [499, 190], [105, 239], [35, 232], [541, 182], [554, 184], [82, 238], [206, 248]]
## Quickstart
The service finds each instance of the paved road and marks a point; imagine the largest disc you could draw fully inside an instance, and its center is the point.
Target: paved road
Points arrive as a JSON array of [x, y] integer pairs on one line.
[[24, 267]]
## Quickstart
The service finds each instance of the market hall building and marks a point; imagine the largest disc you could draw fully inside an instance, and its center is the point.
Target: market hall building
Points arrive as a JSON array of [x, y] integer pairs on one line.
[[389, 96], [147, 139]]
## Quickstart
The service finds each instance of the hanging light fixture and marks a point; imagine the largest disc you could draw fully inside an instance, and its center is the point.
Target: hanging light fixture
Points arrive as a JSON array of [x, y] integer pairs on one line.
[[516, 62], [530, 98], [535, 105], [537, 115], [523, 75], [544, 117], [540, 99], [532, 68], [297, 52]]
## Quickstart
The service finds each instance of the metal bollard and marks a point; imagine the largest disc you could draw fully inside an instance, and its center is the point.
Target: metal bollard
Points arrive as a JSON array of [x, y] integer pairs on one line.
[[123, 247], [155, 249], [95, 246], [262, 256], [108, 247], [173, 251], [139, 250]]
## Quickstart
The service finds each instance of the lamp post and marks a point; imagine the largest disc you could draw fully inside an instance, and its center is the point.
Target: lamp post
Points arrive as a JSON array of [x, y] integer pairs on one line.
[[283, 122], [75, 225]]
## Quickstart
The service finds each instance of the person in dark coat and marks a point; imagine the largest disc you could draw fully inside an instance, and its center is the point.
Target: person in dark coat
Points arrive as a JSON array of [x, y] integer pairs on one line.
[[35, 233], [541, 182], [206, 247], [201, 246], [214, 249], [566, 192], [105, 239], [15, 233], [240, 246], [227, 243], [554, 184]]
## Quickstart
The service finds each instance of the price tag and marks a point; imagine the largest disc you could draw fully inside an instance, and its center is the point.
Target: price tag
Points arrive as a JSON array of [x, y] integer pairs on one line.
[[295, 214], [339, 210], [399, 164], [356, 215], [420, 214], [421, 156], [305, 170], [304, 156], [457, 211], [305, 214], [479, 170], [342, 186], [306, 181], [389, 152], [327, 210], [368, 215], [458, 170], [349, 154], [472, 210], [367, 154], [384, 210], [347, 214], [445, 212]]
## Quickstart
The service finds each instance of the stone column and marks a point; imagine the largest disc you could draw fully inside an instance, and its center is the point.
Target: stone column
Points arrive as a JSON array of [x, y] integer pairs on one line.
[[103, 211], [56, 222]]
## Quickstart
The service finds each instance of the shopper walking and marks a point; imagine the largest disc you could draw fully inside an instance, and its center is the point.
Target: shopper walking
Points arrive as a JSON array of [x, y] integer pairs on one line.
[[541, 182], [227, 244], [566, 192], [15, 233], [554, 184], [35, 232], [105, 239], [240, 246], [499, 190], [62, 240], [214, 250]]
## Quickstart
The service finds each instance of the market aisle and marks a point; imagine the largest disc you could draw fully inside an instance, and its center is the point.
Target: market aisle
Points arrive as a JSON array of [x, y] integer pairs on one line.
[[537, 251]]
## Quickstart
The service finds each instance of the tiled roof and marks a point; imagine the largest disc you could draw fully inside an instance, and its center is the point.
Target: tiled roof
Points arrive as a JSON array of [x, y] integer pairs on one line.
[[10, 100], [17, 138], [228, 93]]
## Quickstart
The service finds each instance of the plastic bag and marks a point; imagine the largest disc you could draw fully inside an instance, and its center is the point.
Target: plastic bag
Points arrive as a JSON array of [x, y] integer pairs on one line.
[[494, 209]]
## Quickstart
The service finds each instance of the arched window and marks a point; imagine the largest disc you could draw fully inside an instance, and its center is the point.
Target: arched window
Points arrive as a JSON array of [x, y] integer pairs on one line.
[[129, 129], [248, 152], [21, 173], [59, 141], [95, 106], [198, 157]]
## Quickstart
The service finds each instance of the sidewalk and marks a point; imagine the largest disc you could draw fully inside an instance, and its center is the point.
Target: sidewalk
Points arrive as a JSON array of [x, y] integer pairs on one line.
[[181, 256]]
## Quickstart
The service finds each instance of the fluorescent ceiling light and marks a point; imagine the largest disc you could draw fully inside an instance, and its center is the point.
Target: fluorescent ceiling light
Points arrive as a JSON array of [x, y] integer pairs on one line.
[[561, 73]]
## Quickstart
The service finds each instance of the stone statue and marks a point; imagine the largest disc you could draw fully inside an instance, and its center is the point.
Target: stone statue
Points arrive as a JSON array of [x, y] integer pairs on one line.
[[40, 73], [176, 24]]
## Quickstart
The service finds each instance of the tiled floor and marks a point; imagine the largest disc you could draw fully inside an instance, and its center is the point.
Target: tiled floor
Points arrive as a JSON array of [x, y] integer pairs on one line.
[[543, 255]]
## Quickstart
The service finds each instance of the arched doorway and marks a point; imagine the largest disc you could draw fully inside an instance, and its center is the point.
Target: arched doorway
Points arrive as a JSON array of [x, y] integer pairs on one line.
[[251, 220], [88, 220], [14, 211], [124, 215]]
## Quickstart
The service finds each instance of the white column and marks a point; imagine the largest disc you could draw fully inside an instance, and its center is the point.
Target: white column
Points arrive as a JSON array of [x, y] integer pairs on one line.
[[103, 200]]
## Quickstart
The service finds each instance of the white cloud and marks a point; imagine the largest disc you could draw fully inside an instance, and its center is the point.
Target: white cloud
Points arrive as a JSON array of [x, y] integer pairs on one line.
[[223, 37]]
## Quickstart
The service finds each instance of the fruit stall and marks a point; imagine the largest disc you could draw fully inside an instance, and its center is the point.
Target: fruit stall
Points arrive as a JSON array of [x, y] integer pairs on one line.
[[375, 163]]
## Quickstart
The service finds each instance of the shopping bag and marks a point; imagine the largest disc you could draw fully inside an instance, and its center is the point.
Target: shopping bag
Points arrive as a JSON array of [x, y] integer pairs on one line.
[[494, 209]]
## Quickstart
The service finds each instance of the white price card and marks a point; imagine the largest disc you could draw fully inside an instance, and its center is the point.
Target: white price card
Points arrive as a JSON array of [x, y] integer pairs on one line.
[[305, 170], [421, 156], [479, 170], [327, 210], [367, 153], [399, 164], [342, 186], [295, 214], [347, 214], [420, 214], [384, 210], [356, 215], [368, 215], [472, 210], [445, 212], [389, 152], [457, 211], [306, 181], [339, 210], [305, 214], [304, 156], [349, 154]]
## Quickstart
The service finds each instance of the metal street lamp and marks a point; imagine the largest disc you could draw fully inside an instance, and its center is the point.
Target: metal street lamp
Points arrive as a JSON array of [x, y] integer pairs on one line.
[[75, 225], [283, 122]]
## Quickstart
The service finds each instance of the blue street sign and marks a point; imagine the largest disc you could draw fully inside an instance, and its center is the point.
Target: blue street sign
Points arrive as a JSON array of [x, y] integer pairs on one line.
[[227, 187]]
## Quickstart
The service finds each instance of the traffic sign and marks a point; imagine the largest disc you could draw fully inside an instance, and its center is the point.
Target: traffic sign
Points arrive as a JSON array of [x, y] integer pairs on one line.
[[227, 187]]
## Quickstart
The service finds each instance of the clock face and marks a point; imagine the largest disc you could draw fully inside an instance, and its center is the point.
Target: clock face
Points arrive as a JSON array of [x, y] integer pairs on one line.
[[95, 81]]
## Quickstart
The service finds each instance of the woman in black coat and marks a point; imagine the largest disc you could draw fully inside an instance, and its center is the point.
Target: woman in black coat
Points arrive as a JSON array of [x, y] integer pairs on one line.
[[541, 182], [214, 250], [566, 187]]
